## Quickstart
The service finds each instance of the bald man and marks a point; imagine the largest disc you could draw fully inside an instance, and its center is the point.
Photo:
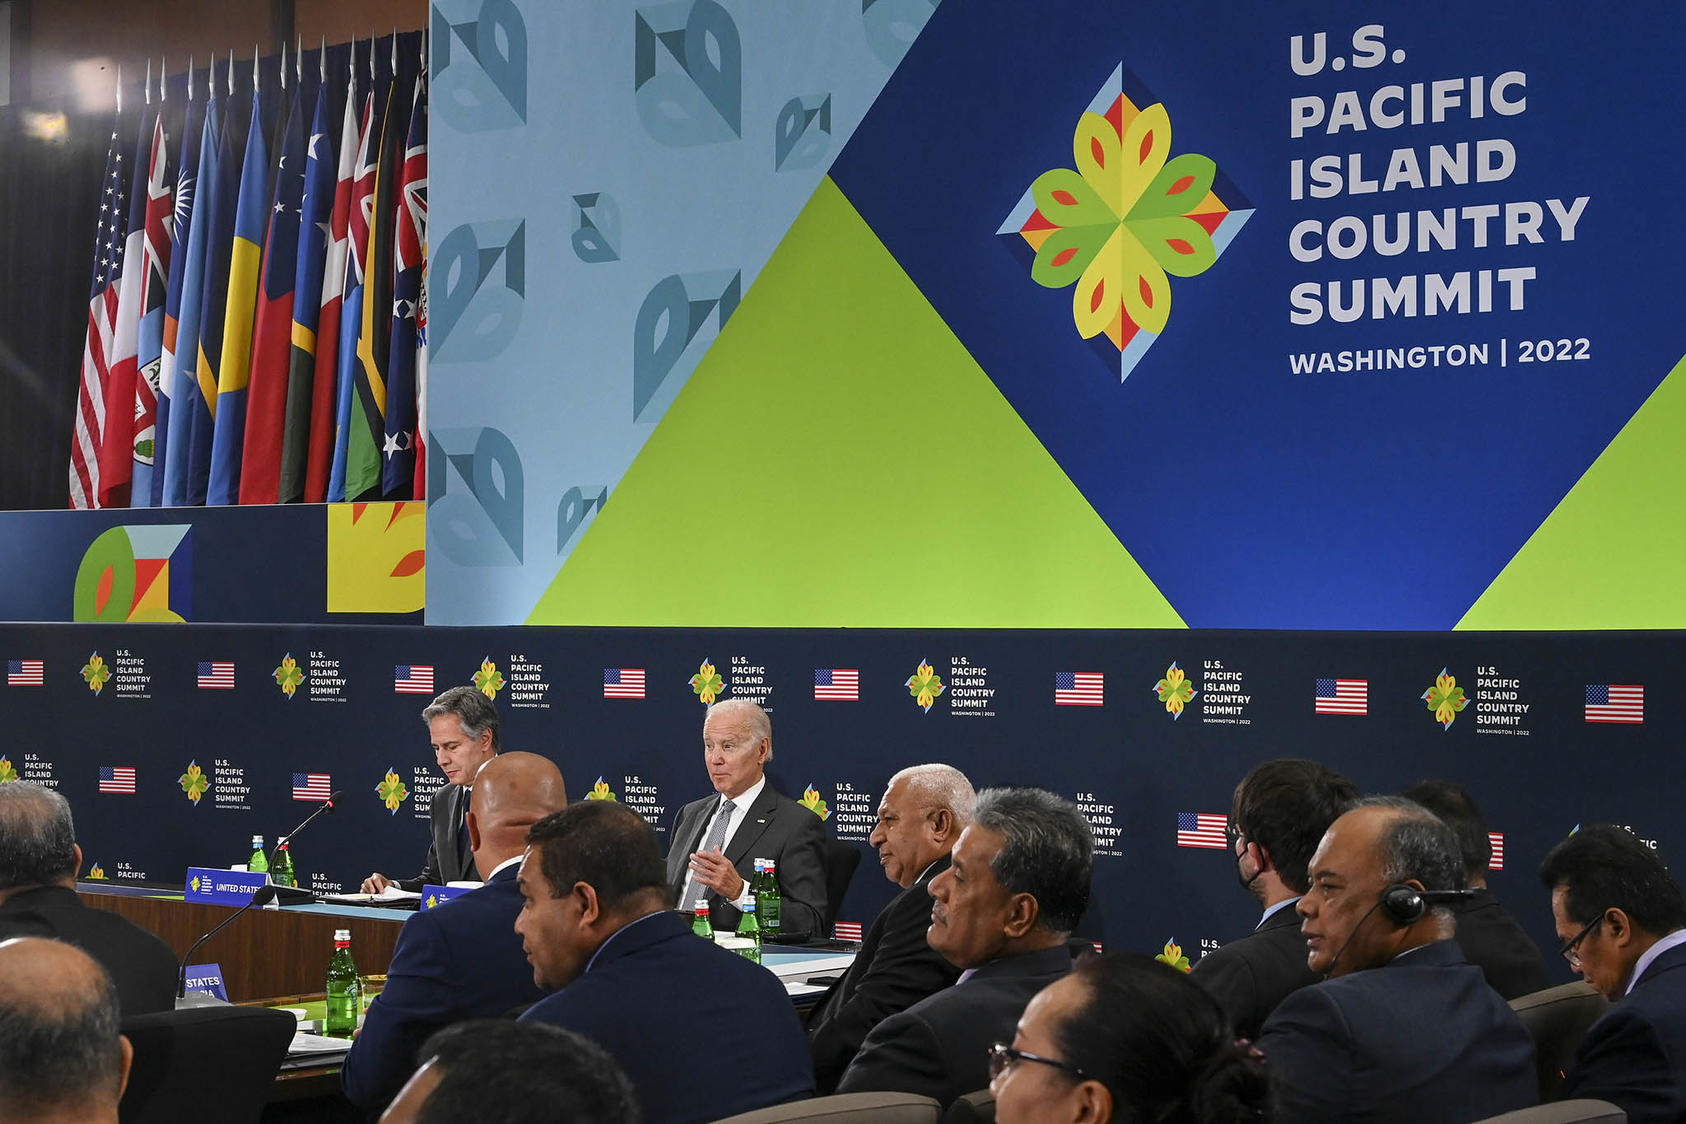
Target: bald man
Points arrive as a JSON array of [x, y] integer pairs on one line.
[[65, 1062], [462, 959]]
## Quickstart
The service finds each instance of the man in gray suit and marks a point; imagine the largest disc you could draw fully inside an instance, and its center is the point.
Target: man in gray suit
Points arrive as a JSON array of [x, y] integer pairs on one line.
[[716, 840], [463, 725]]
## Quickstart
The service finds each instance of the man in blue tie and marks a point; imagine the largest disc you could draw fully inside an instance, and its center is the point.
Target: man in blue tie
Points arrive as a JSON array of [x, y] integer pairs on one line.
[[463, 726]]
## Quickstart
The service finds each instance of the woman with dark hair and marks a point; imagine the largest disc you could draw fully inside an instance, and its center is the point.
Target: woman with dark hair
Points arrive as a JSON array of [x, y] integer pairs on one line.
[[1127, 1039]]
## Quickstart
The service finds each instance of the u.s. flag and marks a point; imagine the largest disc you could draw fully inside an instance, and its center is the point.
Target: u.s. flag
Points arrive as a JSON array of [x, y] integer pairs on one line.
[[623, 682], [312, 786], [117, 778], [25, 673], [840, 684], [846, 931], [1200, 829], [412, 679], [1078, 688], [1343, 696], [216, 674], [1615, 702], [1497, 840]]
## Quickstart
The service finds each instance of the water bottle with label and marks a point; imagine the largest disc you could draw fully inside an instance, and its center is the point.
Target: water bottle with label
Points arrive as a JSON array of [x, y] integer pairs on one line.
[[345, 989], [258, 863]]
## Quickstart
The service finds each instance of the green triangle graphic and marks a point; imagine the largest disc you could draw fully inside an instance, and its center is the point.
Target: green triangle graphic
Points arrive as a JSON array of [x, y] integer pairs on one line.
[[838, 459], [1609, 555]]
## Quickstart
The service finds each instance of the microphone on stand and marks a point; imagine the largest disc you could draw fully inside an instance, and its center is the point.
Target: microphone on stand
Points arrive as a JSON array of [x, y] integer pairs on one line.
[[327, 806], [263, 895]]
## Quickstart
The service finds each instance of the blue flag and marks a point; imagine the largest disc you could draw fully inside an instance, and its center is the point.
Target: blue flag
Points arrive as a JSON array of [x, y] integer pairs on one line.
[[316, 211], [186, 194], [409, 258], [220, 186], [188, 409]]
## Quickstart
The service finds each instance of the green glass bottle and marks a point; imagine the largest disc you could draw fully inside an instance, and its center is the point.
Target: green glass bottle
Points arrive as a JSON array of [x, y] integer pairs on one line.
[[769, 904], [345, 989], [759, 879], [258, 863], [700, 924], [750, 929], [282, 872]]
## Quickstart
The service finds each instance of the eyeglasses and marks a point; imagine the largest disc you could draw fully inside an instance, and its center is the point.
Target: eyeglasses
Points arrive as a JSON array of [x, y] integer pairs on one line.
[[1002, 1055], [1570, 948], [1232, 831]]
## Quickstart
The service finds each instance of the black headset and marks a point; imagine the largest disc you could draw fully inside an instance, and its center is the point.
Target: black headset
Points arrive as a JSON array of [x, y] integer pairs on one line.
[[1406, 905]]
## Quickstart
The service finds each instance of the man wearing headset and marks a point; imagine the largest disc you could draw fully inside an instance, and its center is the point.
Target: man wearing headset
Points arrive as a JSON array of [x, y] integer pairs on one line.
[[1403, 1028]]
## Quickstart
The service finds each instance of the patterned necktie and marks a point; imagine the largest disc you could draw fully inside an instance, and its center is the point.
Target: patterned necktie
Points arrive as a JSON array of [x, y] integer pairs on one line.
[[715, 840]]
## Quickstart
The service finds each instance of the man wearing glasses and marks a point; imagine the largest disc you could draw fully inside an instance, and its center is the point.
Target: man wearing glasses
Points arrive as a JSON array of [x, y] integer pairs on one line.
[[1017, 885], [1622, 919]]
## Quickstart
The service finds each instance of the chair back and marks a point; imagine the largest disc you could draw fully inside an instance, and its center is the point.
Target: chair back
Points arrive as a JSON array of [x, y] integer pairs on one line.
[[841, 859], [973, 1108], [1562, 1112], [204, 1062], [848, 1108], [1557, 1019]]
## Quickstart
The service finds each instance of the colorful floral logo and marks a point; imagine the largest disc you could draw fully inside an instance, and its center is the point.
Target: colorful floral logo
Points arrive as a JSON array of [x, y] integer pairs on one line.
[[195, 883], [706, 684], [1173, 955], [97, 872], [488, 680], [811, 801], [1445, 698], [924, 686], [96, 673], [1123, 218], [432, 902], [600, 791], [194, 782], [288, 676], [1175, 690], [391, 790], [7, 771]]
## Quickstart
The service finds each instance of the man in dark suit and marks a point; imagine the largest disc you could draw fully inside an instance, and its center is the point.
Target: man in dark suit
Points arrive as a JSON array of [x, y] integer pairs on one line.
[[1017, 885], [1278, 816], [716, 840], [701, 1033], [1404, 1029], [64, 1057], [1622, 919], [1491, 938], [39, 859], [463, 725], [463, 959], [924, 810]]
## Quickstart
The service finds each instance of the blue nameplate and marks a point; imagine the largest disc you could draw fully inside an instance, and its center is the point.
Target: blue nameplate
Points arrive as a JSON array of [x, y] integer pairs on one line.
[[435, 896], [208, 979], [222, 887]]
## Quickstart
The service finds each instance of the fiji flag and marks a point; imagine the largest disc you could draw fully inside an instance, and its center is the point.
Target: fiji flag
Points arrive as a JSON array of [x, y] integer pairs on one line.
[[234, 370], [155, 283], [316, 209], [324, 397], [186, 191], [259, 467], [219, 186], [409, 260]]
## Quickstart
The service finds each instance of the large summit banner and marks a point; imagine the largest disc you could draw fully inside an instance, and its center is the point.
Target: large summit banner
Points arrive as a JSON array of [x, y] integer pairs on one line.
[[1321, 315]]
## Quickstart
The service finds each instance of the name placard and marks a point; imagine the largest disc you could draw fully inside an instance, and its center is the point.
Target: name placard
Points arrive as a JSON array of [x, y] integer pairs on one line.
[[215, 886], [432, 897], [208, 979]]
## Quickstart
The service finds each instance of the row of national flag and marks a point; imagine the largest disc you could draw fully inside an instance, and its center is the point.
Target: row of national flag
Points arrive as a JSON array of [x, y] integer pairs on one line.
[[257, 320]]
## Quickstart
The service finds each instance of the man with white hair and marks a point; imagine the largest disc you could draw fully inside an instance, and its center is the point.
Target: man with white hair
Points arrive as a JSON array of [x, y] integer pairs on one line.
[[924, 810], [716, 840]]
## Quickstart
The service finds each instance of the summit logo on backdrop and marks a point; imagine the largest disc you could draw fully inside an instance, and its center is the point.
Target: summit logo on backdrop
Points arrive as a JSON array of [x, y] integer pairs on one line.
[[1126, 216]]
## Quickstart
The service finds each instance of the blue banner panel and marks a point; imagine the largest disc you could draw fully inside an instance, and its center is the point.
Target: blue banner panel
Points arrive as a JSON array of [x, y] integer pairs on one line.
[[1147, 730]]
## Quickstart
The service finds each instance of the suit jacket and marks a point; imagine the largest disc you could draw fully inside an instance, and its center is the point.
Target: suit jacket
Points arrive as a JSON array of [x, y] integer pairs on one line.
[[939, 1047], [776, 828], [1250, 976], [1495, 943], [460, 960], [701, 1033], [1421, 1038], [1635, 1056], [141, 966], [894, 969], [449, 857]]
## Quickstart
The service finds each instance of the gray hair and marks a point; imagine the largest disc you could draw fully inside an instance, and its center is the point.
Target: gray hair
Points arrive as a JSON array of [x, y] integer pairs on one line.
[[940, 786], [1047, 851], [472, 708], [60, 1054], [760, 722], [1417, 844], [37, 836]]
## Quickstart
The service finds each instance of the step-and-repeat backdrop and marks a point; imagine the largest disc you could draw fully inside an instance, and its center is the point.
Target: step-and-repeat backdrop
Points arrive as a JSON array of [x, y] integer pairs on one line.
[[175, 744]]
